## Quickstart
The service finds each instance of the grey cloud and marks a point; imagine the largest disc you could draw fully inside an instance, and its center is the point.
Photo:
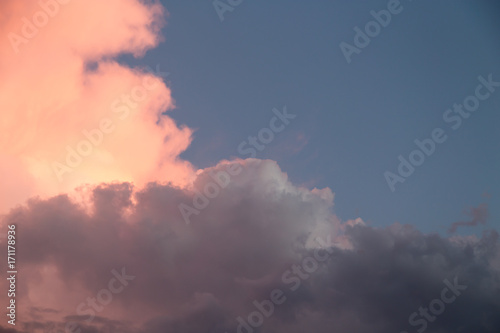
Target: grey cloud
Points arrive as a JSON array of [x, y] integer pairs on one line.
[[201, 277]]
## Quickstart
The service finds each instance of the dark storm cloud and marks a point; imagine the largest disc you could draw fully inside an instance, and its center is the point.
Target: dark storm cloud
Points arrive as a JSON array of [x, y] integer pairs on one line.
[[248, 242]]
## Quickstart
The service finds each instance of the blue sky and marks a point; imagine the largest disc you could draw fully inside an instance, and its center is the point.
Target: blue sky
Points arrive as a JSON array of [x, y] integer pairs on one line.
[[353, 120], [129, 202]]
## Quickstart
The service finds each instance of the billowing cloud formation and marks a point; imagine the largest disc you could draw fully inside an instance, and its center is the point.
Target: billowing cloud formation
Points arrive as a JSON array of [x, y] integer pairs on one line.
[[72, 115], [262, 256], [250, 240]]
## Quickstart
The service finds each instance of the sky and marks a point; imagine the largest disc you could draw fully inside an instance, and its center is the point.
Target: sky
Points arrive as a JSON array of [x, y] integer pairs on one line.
[[354, 120], [250, 166]]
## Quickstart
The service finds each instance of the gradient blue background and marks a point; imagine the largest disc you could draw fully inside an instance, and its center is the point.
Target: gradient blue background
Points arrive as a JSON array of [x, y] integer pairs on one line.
[[353, 120]]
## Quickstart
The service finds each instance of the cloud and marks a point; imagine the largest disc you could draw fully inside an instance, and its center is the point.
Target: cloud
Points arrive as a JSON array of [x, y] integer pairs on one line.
[[479, 215], [76, 118], [201, 277], [71, 113]]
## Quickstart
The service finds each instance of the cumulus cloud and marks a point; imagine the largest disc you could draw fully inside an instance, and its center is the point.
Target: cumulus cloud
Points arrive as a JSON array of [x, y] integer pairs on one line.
[[203, 276], [122, 235], [73, 115]]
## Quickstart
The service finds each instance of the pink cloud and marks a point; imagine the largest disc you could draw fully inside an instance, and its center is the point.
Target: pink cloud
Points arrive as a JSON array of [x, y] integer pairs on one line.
[[49, 98], [479, 215], [102, 131]]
